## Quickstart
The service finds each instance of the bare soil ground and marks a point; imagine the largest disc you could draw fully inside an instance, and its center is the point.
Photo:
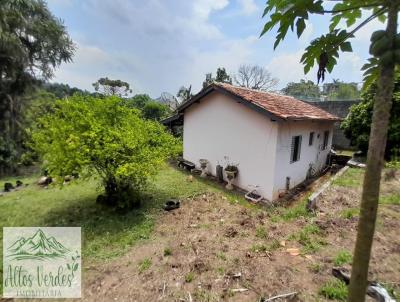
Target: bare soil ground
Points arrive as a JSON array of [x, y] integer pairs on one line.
[[212, 249]]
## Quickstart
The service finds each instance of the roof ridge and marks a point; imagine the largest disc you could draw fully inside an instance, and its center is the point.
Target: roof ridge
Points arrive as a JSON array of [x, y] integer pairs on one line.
[[254, 90]]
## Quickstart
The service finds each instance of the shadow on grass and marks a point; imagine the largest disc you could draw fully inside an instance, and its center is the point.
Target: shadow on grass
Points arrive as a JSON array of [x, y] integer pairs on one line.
[[107, 233]]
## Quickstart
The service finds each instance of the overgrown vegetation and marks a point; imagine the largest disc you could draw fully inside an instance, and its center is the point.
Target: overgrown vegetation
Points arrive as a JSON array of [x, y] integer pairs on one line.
[[33, 42], [352, 178], [350, 213], [88, 136], [357, 125], [343, 257], [144, 265], [189, 277], [334, 290], [309, 238]]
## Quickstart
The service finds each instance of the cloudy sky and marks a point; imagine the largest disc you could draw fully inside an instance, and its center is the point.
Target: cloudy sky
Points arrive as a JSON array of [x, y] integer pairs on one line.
[[160, 45]]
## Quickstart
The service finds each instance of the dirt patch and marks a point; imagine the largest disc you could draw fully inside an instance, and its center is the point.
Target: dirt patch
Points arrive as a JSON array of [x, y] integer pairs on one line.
[[214, 250]]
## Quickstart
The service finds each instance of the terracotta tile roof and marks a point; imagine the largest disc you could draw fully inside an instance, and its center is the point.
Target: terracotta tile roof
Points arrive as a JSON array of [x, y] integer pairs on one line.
[[285, 107]]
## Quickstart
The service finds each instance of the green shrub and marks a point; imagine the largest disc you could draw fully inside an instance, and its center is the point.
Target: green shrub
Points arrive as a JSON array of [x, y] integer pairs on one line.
[[256, 248], [144, 265], [309, 239], [261, 232], [350, 213], [315, 267], [334, 289], [99, 136], [221, 256], [189, 277], [357, 125], [390, 199], [343, 257], [167, 252]]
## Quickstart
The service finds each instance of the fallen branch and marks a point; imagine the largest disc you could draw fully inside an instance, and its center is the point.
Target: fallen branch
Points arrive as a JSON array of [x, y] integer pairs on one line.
[[239, 290], [293, 294], [374, 289]]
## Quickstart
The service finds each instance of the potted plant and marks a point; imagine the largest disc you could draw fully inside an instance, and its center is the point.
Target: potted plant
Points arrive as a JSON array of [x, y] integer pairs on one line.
[[231, 171], [203, 166]]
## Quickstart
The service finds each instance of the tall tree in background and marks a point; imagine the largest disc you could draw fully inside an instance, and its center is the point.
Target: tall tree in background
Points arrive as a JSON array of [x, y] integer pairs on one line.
[[385, 47], [138, 101], [110, 87], [303, 90], [255, 77], [357, 125], [184, 93], [33, 43], [338, 90], [221, 76], [61, 90]]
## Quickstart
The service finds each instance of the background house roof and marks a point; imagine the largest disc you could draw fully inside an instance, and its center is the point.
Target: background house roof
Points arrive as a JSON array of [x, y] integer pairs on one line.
[[280, 106]]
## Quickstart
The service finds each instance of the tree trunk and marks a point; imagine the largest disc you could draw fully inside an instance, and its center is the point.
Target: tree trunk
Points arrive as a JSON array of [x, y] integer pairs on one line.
[[375, 162]]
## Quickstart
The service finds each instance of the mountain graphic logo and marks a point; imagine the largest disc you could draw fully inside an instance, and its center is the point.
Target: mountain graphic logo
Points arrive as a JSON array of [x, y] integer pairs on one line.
[[37, 247]]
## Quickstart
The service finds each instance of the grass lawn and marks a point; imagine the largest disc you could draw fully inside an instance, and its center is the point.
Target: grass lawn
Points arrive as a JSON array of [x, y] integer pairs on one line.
[[106, 234]]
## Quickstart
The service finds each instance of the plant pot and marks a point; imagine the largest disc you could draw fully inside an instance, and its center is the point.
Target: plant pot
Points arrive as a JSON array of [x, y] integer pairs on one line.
[[203, 166], [230, 175]]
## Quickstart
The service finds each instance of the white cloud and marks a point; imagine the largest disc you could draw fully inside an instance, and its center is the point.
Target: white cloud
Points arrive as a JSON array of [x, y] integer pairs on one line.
[[155, 47], [307, 34], [160, 45], [364, 34], [287, 68], [203, 8], [248, 6], [230, 54], [91, 63]]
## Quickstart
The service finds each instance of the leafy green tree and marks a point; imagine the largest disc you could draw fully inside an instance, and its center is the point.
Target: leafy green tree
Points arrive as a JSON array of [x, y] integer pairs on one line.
[[41, 103], [100, 136], [384, 48], [33, 43], [302, 90], [221, 76], [155, 111], [110, 87], [357, 125], [341, 91], [138, 101], [61, 90]]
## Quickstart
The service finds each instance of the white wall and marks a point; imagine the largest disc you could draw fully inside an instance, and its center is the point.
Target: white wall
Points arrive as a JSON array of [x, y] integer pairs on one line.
[[218, 126], [297, 171]]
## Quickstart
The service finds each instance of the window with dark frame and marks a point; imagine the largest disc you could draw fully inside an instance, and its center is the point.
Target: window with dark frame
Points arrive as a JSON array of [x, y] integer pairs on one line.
[[295, 149], [326, 138], [311, 139]]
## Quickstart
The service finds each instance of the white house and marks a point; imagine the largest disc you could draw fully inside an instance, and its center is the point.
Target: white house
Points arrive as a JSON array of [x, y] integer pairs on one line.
[[274, 139]]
